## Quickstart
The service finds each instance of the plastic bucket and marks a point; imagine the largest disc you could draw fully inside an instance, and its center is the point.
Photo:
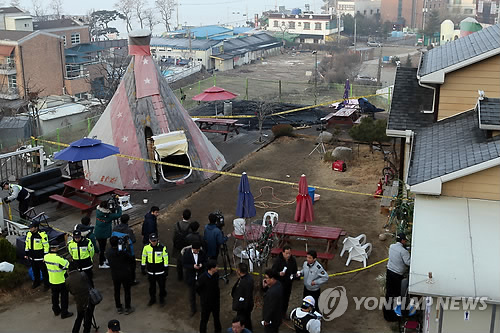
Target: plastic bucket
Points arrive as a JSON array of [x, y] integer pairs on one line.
[[311, 191]]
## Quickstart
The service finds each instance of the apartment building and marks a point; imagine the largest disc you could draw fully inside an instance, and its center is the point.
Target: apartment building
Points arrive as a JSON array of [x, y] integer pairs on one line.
[[310, 28], [71, 31]]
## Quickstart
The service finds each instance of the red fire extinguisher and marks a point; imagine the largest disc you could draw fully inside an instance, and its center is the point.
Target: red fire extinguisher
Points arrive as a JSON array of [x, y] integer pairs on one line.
[[379, 190]]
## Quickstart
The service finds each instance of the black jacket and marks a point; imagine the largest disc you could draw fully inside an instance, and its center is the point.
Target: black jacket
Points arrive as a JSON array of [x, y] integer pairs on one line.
[[272, 310], [149, 226], [195, 237], [291, 268], [78, 285], [120, 263], [208, 288], [125, 229], [188, 263], [243, 289]]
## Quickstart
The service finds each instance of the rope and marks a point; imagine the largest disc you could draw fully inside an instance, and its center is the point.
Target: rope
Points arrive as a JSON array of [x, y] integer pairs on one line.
[[270, 204]]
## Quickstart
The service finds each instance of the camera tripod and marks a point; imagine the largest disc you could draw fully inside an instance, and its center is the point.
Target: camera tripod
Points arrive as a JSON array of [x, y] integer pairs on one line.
[[320, 146], [226, 261]]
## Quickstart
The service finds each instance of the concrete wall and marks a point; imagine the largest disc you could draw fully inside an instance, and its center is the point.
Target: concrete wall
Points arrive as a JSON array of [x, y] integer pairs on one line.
[[24, 24], [410, 11], [481, 185], [458, 93]]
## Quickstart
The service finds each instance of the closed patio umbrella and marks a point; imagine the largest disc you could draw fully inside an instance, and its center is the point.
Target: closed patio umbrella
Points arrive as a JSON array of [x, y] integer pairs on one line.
[[304, 210], [245, 207]]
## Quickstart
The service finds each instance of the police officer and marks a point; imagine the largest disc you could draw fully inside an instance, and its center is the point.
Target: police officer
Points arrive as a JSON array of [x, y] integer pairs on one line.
[[17, 192], [314, 276], [37, 246], [57, 267], [82, 251], [304, 318], [155, 262]]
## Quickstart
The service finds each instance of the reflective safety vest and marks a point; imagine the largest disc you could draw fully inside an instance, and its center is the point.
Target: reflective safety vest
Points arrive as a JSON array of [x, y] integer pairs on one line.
[[300, 323], [37, 245], [56, 266], [17, 192], [155, 259], [82, 252]]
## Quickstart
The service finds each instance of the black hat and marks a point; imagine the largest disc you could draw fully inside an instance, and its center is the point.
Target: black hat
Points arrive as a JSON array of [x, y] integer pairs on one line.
[[54, 245], [4, 183], [153, 237], [114, 325], [34, 224], [77, 233], [401, 236]]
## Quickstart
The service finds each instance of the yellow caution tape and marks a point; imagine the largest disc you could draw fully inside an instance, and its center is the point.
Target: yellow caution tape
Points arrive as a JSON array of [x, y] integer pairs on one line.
[[293, 110], [225, 173]]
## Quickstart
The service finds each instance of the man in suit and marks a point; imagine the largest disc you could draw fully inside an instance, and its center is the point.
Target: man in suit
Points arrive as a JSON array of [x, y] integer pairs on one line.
[[242, 294], [272, 309], [286, 265], [208, 287], [194, 261]]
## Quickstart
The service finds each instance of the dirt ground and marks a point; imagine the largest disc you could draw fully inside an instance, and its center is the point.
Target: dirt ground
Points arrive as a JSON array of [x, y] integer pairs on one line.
[[19, 311], [354, 213]]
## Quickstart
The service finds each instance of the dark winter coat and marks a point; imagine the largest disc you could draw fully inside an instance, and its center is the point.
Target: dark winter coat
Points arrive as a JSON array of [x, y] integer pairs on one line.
[[104, 222], [188, 264], [291, 268], [272, 309], [213, 238], [125, 229], [78, 285], [242, 294], [120, 263], [195, 237], [208, 288], [149, 226]]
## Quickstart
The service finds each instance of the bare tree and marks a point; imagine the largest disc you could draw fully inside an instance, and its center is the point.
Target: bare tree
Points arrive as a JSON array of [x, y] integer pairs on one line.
[[139, 11], [166, 8], [57, 8], [126, 9], [150, 17], [38, 8], [264, 109]]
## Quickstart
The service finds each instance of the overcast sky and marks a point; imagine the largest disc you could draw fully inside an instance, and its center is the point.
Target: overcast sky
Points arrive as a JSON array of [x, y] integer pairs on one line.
[[194, 12]]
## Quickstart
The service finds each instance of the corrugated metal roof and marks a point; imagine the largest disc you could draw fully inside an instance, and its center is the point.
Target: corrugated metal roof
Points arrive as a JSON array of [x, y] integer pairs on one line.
[[86, 48], [241, 30], [183, 43], [13, 122], [204, 32], [460, 50], [61, 111], [450, 145]]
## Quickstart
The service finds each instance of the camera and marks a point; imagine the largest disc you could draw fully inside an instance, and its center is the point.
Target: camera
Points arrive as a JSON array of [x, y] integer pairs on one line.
[[113, 203], [220, 219], [123, 243]]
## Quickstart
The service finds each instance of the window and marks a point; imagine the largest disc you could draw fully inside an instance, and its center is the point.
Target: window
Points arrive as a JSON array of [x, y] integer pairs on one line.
[[317, 26], [291, 25], [64, 39], [364, 12], [371, 11], [74, 71], [468, 11], [75, 38], [276, 24], [457, 2], [307, 26], [12, 81]]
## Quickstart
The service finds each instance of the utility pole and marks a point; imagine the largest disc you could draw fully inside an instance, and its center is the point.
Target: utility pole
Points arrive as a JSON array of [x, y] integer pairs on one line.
[[177, 27], [315, 76], [354, 33], [338, 27], [379, 71]]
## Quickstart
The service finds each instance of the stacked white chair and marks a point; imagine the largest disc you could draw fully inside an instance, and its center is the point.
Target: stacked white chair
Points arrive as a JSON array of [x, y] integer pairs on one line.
[[350, 242], [270, 217], [359, 253]]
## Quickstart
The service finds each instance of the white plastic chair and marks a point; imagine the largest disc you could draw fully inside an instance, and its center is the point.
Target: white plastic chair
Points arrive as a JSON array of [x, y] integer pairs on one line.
[[239, 226], [270, 217], [359, 253], [352, 241]]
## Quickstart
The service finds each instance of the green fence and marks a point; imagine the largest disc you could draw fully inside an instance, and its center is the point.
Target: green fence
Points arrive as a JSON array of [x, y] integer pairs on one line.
[[296, 92]]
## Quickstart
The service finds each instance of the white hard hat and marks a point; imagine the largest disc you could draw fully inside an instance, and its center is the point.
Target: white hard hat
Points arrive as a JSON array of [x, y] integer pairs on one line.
[[309, 300]]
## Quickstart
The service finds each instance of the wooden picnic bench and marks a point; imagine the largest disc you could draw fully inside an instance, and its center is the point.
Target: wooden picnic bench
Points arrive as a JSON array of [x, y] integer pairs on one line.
[[206, 125], [70, 202], [323, 256]]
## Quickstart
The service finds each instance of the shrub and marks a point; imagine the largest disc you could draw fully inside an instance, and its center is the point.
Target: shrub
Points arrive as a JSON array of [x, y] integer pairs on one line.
[[7, 251], [282, 130], [10, 280], [328, 157]]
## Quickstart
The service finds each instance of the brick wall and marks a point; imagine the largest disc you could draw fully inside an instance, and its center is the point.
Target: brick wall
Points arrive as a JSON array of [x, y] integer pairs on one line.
[[42, 65], [83, 31]]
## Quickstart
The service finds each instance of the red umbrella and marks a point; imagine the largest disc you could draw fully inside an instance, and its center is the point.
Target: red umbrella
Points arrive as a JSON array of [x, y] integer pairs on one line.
[[214, 94], [304, 210]]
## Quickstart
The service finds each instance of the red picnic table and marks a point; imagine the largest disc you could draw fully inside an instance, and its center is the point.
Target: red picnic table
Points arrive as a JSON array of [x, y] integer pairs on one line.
[[84, 189], [330, 234]]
